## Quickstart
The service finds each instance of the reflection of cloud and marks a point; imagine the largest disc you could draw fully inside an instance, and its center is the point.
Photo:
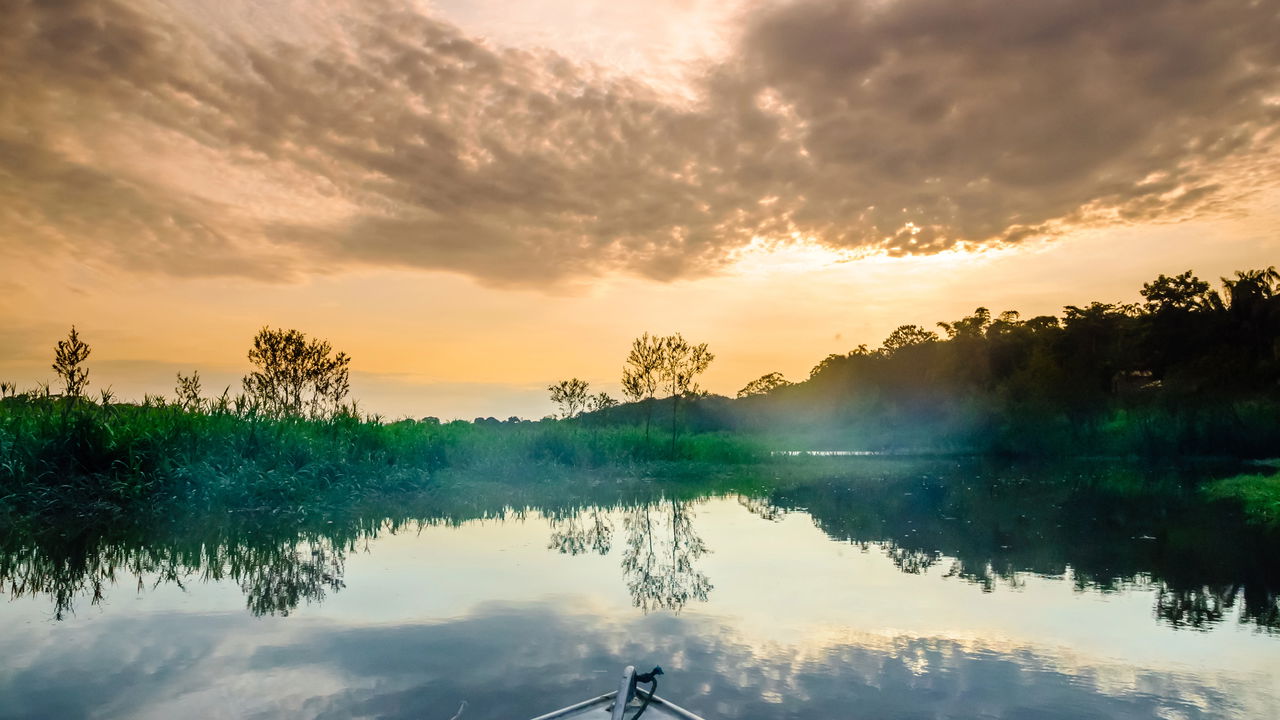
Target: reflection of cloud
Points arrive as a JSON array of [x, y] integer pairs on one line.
[[161, 139], [114, 668], [511, 660]]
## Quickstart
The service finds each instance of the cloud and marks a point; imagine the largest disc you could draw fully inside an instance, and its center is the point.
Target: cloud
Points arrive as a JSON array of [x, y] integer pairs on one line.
[[499, 657], [983, 120], [157, 138]]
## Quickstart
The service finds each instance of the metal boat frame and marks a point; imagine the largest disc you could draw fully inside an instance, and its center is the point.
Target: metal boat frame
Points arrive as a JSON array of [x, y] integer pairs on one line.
[[626, 690]]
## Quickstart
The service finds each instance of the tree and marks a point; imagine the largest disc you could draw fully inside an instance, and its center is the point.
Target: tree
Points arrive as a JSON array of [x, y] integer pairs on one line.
[[642, 374], [1252, 296], [682, 363], [1183, 293], [600, 402], [906, 336], [971, 327], [1254, 305], [763, 385], [570, 395], [836, 360], [68, 361], [1251, 287], [296, 377]]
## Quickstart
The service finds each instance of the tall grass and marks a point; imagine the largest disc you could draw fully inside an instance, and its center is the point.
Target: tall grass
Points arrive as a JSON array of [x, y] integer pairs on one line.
[[83, 458]]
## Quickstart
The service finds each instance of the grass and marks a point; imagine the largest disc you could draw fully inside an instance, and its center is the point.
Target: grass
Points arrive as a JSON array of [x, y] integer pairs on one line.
[[82, 459], [1258, 495]]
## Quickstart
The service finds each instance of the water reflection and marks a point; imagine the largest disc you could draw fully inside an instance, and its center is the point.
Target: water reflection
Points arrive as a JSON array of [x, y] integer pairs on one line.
[[1108, 529], [509, 660], [658, 561], [580, 533], [277, 567], [659, 552]]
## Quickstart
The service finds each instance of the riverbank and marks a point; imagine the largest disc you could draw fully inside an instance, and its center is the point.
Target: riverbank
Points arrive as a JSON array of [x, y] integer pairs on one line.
[[83, 462], [87, 459]]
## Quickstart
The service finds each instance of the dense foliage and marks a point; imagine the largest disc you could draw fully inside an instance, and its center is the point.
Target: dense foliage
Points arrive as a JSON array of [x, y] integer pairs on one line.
[[1190, 370]]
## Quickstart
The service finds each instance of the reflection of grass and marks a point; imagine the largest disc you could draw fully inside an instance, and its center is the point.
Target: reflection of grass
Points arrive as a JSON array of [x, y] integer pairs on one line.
[[1258, 494]]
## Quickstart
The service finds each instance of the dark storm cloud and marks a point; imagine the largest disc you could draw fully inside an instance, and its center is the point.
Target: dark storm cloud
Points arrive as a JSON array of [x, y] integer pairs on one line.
[[906, 126]]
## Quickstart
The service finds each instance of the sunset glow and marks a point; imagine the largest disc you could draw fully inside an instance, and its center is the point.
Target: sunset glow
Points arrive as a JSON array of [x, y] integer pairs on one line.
[[459, 194]]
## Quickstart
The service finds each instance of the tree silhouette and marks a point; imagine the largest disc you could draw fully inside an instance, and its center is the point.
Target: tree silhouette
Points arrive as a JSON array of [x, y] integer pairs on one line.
[[1190, 369], [296, 377], [682, 363], [1182, 293], [570, 395], [763, 385], [68, 363], [642, 374], [906, 336], [601, 402]]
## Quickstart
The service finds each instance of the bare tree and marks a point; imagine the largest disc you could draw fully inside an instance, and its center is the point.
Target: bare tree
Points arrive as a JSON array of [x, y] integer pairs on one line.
[[296, 377], [570, 395], [642, 374], [68, 361]]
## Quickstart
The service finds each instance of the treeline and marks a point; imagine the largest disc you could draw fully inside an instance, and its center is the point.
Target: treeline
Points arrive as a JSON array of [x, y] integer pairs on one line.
[[1190, 370], [290, 437]]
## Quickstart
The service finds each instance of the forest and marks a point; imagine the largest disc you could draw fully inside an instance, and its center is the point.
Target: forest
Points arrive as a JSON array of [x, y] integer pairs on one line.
[[1189, 371]]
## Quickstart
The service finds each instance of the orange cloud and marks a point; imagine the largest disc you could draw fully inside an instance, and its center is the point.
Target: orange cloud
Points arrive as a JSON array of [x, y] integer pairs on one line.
[[132, 134]]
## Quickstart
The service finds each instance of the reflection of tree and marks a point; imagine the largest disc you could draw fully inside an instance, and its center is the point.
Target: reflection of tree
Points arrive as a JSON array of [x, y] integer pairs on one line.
[[277, 570], [1202, 607], [62, 576], [582, 532], [765, 508], [658, 559], [911, 560], [281, 578], [1193, 607], [1105, 526]]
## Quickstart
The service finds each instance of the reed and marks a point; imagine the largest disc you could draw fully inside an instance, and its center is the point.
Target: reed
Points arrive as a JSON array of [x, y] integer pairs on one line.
[[72, 456]]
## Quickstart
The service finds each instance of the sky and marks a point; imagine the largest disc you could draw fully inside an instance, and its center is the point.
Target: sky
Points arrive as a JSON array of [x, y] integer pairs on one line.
[[476, 199]]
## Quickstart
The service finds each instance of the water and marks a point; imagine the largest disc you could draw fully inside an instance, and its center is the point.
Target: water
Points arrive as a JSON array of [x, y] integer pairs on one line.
[[872, 588]]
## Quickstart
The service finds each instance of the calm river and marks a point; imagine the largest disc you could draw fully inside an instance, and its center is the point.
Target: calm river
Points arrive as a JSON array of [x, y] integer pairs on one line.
[[880, 589]]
